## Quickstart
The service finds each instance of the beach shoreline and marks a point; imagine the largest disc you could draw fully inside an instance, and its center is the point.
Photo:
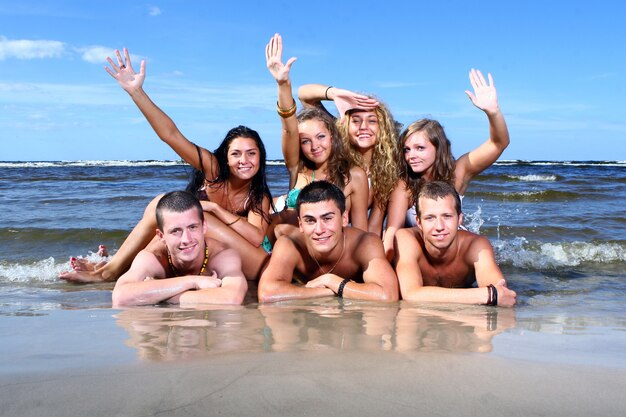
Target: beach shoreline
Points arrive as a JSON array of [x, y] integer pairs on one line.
[[320, 383]]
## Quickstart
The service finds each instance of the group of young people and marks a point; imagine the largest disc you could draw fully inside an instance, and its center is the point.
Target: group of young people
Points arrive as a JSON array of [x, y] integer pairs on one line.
[[371, 213]]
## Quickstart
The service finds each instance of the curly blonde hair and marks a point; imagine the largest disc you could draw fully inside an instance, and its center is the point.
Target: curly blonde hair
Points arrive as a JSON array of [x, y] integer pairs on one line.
[[383, 170], [444, 165]]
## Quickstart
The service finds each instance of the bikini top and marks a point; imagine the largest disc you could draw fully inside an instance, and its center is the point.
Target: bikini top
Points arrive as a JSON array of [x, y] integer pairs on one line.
[[292, 195]]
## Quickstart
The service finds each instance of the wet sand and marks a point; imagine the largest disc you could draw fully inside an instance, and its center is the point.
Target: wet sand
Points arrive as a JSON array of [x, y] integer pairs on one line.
[[350, 359], [321, 384]]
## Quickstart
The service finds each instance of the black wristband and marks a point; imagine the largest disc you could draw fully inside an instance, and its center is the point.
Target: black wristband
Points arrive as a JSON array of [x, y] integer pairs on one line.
[[341, 287]]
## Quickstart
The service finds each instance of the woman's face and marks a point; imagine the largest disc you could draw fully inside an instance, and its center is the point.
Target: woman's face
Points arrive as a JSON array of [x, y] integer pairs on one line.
[[244, 158], [419, 152], [315, 141], [363, 129]]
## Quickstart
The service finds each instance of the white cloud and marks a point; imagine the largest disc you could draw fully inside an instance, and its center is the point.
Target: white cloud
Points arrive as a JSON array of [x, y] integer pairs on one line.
[[96, 54], [27, 49], [154, 11]]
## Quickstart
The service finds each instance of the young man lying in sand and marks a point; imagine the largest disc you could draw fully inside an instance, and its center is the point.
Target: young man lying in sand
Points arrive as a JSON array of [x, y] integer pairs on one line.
[[437, 262], [326, 256], [184, 266]]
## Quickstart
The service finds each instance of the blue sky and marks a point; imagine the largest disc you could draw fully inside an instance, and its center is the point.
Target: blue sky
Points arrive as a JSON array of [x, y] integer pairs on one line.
[[559, 66]]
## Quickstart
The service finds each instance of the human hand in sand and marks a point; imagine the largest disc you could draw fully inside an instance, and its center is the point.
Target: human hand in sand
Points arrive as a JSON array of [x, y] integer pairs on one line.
[[506, 297], [274, 58], [347, 100], [124, 73], [484, 96]]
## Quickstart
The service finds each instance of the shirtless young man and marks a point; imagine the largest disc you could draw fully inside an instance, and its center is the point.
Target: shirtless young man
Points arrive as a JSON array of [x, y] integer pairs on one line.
[[437, 262], [326, 256], [184, 266]]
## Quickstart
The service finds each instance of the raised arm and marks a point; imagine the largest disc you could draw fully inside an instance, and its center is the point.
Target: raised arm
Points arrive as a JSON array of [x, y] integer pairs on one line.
[[486, 99], [311, 95], [286, 105], [143, 283], [276, 281], [227, 265], [163, 126]]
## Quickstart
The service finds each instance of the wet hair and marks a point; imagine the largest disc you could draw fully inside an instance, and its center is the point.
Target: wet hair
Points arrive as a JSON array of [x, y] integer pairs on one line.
[[434, 190], [444, 165], [258, 186], [177, 202], [338, 166], [383, 169], [319, 191]]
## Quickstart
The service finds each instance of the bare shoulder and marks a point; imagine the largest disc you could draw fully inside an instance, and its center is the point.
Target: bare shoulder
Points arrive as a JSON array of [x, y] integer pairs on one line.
[[408, 235], [361, 242], [472, 244], [214, 246], [358, 174]]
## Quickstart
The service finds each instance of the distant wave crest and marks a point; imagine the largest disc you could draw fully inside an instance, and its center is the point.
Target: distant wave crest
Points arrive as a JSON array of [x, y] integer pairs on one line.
[[533, 178], [118, 163]]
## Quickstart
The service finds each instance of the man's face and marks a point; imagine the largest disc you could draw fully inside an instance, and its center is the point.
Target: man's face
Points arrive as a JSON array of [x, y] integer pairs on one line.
[[438, 221], [322, 224], [183, 234]]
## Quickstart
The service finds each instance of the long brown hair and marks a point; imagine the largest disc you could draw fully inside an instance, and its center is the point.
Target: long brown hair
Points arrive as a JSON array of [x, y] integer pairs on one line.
[[444, 165]]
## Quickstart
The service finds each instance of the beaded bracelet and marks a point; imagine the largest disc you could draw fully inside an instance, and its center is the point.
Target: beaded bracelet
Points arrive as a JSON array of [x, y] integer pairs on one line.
[[286, 113]]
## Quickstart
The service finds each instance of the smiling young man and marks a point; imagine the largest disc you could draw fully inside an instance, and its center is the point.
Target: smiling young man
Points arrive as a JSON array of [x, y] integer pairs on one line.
[[327, 258], [437, 262], [184, 266]]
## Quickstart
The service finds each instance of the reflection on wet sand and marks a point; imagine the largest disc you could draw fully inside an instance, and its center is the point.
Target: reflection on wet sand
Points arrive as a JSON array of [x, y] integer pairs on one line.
[[163, 334]]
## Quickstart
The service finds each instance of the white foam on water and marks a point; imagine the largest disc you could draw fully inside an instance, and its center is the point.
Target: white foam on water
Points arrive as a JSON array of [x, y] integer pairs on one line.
[[534, 178], [46, 270], [520, 253]]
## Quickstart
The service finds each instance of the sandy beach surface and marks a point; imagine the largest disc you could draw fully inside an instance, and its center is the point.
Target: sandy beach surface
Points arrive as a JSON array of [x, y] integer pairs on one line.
[[303, 360]]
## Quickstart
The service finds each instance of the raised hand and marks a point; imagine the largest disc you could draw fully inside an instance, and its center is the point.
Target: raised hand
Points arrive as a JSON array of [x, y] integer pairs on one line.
[[346, 100], [274, 58], [484, 96], [124, 73]]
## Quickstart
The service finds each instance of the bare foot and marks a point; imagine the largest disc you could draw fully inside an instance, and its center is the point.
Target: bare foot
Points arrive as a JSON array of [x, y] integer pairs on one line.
[[103, 251], [83, 277]]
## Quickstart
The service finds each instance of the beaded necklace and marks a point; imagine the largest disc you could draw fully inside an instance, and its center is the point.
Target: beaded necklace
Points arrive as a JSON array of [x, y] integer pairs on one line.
[[206, 260]]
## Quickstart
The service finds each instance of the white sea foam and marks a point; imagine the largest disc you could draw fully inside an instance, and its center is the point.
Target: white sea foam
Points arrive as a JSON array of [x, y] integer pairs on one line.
[[534, 178], [520, 253], [46, 270]]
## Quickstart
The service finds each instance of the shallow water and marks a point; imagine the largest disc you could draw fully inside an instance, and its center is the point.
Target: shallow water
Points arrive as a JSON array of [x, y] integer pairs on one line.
[[558, 230]]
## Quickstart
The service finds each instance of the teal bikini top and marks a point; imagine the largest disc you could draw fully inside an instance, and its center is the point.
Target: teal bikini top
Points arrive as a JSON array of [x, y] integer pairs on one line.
[[293, 194]]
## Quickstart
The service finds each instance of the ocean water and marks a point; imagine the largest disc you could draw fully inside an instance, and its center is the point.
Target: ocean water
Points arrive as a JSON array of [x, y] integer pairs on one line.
[[558, 228]]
